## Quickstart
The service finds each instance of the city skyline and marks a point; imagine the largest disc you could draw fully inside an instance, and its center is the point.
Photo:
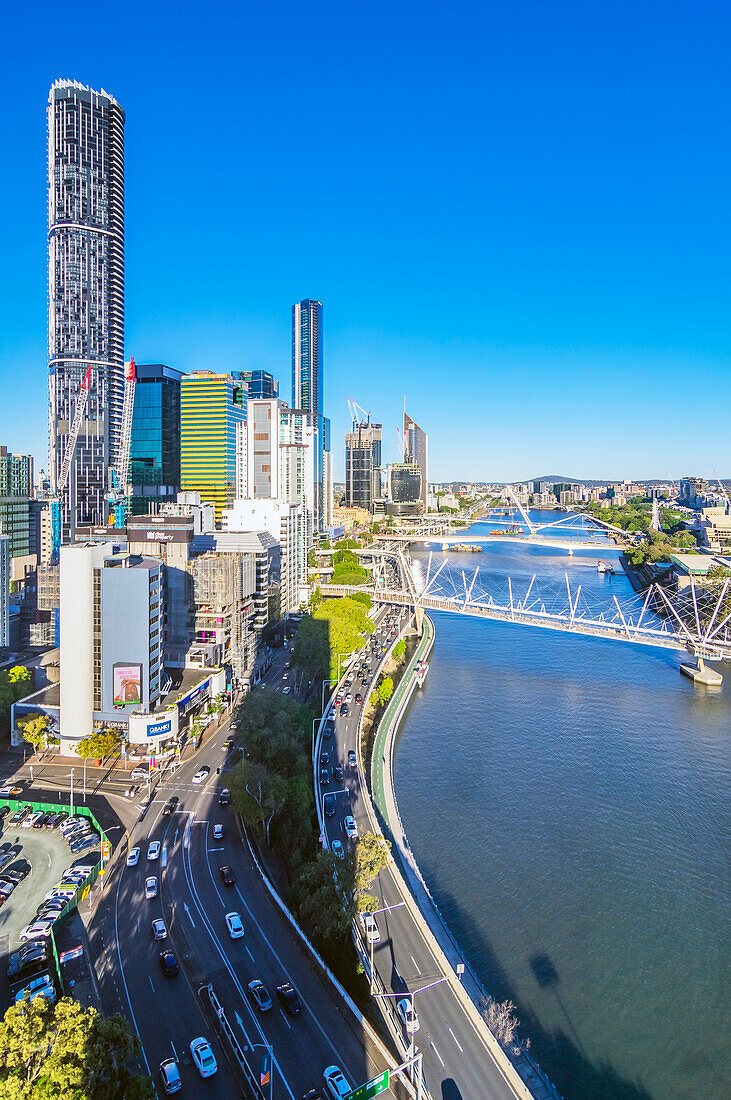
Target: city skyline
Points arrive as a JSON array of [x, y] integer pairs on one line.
[[583, 282]]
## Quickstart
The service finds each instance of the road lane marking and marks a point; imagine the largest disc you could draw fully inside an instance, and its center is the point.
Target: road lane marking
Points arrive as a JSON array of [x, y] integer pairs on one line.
[[216, 849], [250, 955], [415, 964], [436, 1052], [164, 858], [456, 1040], [175, 1053], [151, 985], [187, 910], [121, 970], [285, 1019]]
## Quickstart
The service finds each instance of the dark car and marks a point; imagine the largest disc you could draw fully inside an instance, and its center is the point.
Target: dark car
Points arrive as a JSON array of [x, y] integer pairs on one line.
[[169, 963], [3, 812], [312, 1094], [54, 820], [324, 775], [345, 710], [26, 957], [16, 874], [224, 797], [358, 699], [352, 759], [338, 772], [329, 805], [41, 821], [169, 807], [290, 998], [324, 759], [327, 730], [228, 876]]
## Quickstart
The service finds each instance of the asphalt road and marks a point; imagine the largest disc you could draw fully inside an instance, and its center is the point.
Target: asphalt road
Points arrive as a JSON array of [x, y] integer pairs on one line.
[[457, 1064], [193, 901]]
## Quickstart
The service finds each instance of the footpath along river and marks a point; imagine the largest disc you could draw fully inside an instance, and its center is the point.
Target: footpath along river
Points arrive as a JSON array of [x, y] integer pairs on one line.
[[567, 799]]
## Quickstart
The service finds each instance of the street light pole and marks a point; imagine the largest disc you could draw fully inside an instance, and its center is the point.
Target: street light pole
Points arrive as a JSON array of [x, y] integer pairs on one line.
[[72, 792], [322, 693], [386, 909]]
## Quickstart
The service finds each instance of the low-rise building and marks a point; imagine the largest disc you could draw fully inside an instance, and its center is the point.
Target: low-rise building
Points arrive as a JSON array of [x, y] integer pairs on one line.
[[715, 528]]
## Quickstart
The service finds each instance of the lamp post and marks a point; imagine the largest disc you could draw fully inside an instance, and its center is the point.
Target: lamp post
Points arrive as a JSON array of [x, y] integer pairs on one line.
[[411, 996], [72, 793], [386, 909], [342, 655], [322, 693], [85, 759]]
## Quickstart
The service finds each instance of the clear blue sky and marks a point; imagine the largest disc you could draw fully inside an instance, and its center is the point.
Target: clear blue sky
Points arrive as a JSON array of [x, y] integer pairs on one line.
[[515, 212]]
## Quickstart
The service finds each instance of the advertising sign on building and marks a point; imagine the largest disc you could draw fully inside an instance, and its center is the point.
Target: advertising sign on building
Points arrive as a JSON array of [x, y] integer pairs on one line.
[[127, 689]]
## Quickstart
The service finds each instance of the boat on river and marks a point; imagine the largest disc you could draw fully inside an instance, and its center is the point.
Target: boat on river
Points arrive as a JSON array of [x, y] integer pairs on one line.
[[605, 567]]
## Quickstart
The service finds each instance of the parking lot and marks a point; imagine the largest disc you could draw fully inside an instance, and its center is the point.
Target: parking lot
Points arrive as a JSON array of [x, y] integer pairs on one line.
[[48, 855]]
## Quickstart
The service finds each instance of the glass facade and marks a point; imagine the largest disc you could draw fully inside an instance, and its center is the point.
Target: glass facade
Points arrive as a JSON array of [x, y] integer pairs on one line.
[[16, 474], [362, 465], [154, 468], [260, 383], [211, 405]]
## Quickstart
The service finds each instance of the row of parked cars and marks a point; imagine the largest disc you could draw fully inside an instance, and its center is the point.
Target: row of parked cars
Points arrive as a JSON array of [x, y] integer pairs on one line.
[[13, 876]]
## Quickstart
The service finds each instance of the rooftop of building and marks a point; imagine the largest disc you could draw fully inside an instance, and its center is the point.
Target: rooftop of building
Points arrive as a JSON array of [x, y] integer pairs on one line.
[[698, 565], [185, 680]]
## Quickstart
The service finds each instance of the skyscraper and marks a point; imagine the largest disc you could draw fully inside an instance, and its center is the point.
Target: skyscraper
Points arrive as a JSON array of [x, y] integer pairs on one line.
[[85, 289], [211, 405], [362, 464], [260, 383], [154, 461], [416, 450], [307, 390]]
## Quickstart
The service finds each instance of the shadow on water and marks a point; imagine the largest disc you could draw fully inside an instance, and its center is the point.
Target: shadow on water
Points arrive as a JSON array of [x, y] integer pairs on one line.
[[559, 1051]]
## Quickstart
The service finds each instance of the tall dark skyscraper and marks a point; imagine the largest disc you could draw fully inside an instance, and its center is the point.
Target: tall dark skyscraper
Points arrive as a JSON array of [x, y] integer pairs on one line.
[[362, 464], [154, 469], [307, 392], [260, 383], [416, 449], [85, 290]]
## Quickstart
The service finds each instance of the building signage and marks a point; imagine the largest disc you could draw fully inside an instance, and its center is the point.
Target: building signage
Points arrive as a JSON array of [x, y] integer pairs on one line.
[[72, 953], [127, 690], [370, 1088], [146, 533], [160, 729], [193, 694]]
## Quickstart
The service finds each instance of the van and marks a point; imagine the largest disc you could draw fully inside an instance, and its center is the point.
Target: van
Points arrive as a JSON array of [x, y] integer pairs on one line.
[[142, 771]]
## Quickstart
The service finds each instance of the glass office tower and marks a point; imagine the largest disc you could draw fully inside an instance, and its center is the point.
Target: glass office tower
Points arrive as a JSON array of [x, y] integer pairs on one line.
[[154, 465], [307, 389], [362, 464], [85, 290], [416, 449], [211, 405], [260, 383]]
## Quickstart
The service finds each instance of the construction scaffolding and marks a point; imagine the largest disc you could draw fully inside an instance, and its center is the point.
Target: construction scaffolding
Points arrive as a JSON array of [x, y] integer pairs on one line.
[[224, 586]]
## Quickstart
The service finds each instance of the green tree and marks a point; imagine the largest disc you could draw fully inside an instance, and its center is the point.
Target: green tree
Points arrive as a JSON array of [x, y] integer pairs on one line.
[[259, 794], [35, 729], [384, 691], [371, 857], [326, 909], [67, 1052], [19, 674], [399, 650], [100, 743]]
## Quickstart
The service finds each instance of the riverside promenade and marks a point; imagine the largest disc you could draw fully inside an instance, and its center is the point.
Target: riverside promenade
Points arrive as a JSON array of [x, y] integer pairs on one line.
[[384, 801]]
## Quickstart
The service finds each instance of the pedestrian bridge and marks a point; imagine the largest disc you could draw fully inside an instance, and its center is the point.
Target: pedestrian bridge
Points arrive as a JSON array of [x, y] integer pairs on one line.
[[698, 621]]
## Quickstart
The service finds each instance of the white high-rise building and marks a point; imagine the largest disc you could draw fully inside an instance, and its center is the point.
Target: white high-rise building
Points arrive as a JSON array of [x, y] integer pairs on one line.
[[85, 291], [284, 522]]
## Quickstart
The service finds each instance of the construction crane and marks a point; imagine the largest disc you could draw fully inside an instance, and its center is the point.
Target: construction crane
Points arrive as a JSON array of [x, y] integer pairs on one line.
[[62, 480], [358, 414], [117, 496]]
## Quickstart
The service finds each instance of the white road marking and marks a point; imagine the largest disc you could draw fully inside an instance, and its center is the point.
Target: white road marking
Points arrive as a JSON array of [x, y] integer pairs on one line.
[[175, 1053], [151, 985], [285, 1019], [175, 838], [121, 970], [187, 910], [455, 1039], [415, 966], [164, 858], [436, 1051], [250, 955], [216, 849]]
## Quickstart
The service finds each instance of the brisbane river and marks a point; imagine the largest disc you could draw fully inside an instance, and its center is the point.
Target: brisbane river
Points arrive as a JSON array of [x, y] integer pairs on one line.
[[567, 800]]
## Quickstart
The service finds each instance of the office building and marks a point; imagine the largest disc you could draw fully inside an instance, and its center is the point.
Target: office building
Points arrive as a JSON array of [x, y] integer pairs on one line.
[[259, 383], [276, 456], [692, 491], [328, 490], [154, 458], [286, 523], [16, 474], [416, 447], [211, 407], [307, 390], [85, 290], [362, 464], [404, 483], [4, 592]]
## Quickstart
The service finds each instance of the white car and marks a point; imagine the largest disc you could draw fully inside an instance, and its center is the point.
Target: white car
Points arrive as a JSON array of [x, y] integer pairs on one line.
[[133, 857], [351, 829], [218, 832], [150, 887], [405, 1009], [37, 930], [335, 1080], [286, 690], [42, 986], [370, 928], [159, 931], [153, 850], [29, 821], [235, 926], [203, 1056], [201, 776]]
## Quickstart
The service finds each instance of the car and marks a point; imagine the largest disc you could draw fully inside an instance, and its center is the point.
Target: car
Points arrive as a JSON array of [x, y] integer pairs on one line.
[[169, 807], [331, 714], [169, 963], [55, 820], [405, 1009], [329, 805], [49, 910], [358, 699], [150, 887], [170, 1076], [235, 926], [336, 1083], [36, 930], [260, 995], [350, 827], [349, 697], [338, 772], [224, 797], [83, 844], [324, 776], [159, 931], [290, 998], [370, 928], [81, 868], [153, 850], [42, 986], [25, 957], [7, 886], [352, 759], [10, 792], [16, 874], [327, 731], [31, 819], [133, 857], [4, 811], [41, 820], [228, 744], [337, 849], [203, 1056], [324, 759], [218, 832], [344, 710], [201, 776], [59, 891], [286, 690], [312, 1094], [73, 880], [72, 823], [227, 875]]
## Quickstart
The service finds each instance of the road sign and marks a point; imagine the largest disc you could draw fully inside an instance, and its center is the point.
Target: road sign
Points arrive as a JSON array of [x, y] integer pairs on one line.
[[72, 953], [106, 849], [370, 1088]]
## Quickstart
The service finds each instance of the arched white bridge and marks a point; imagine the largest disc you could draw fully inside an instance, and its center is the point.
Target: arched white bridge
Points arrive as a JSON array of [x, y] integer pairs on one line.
[[698, 620]]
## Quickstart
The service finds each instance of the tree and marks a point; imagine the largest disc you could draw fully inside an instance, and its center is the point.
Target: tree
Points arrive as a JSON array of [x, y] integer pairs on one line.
[[399, 650], [259, 794], [500, 1018], [384, 690], [35, 729], [371, 857], [67, 1052], [326, 910], [100, 743], [19, 674]]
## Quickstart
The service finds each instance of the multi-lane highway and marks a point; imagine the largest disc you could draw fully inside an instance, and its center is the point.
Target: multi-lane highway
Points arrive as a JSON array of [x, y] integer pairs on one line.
[[457, 1063]]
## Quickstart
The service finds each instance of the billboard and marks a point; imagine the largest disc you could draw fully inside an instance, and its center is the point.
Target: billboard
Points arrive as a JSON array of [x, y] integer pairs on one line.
[[127, 685]]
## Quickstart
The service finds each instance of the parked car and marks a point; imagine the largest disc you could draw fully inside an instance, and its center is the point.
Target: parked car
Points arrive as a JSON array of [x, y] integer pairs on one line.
[[40, 820], [84, 842], [25, 957], [203, 1057], [290, 998], [42, 986], [36, 930]]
